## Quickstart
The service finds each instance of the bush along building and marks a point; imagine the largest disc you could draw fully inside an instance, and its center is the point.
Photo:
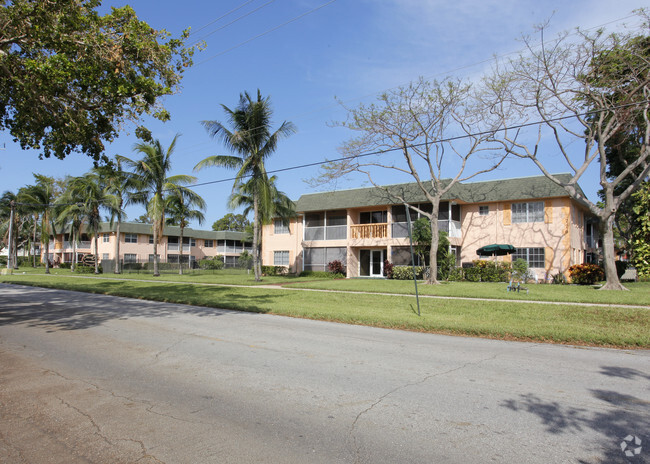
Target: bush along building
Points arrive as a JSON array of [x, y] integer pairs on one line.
[[363, 228]]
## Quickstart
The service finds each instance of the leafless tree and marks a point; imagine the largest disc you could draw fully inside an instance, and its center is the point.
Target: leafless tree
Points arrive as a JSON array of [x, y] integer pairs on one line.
[[435, 127], [585, 88]]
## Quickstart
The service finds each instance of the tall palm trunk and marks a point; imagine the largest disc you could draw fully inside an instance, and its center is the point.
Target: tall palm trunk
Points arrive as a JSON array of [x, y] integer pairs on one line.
[[180, 254], [96, 250], [34, 240], [47, 254], [156, 273], [73, 236], [117, 247], [256, 252]]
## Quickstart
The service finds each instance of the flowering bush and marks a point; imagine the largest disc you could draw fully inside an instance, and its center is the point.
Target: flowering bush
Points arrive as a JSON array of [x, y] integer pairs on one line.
[[388, 269], [336, 267], [586, 274]]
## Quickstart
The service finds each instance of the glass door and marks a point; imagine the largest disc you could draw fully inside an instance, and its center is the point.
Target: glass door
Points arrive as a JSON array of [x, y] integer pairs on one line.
[[376, 263]]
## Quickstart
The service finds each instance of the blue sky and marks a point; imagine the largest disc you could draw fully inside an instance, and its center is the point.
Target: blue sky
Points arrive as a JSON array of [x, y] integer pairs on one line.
[[349, 49]]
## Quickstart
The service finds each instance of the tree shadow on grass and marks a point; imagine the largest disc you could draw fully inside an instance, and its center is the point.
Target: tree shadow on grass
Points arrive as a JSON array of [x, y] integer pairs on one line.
[[631, 417], [72, 310]]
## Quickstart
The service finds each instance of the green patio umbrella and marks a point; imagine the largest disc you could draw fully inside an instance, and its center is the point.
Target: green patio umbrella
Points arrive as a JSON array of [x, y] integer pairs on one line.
[[495, 249]]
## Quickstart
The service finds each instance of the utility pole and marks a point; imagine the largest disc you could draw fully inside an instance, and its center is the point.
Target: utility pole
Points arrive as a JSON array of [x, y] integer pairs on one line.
[[10, 254], [415, 278]]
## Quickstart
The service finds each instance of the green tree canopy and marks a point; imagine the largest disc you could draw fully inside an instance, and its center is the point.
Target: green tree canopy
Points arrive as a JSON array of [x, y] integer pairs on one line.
[[231, 221], [70, 78], [252, 142]]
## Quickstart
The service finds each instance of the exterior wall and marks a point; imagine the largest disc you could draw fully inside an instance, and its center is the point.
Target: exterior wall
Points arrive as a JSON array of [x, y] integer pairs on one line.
[[62, 250], [290, 242], [561, 236], [560, 233]]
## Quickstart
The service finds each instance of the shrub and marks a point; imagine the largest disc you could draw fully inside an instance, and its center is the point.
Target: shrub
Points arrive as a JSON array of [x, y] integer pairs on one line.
[[215, 263], [488, 271], [336, 267], [455, 274], [559, 279], [65, 265], [388, 269], [321, 275], [81, 269], [406, 272], [586, 274], [274, 270]]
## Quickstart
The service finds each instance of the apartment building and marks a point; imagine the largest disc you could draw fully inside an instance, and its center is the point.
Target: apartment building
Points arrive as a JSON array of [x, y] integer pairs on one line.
[[136, 244], [364, 227]]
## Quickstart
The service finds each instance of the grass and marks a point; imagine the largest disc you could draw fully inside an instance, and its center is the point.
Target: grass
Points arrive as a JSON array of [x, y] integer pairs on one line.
[[639, 293], [516, 320]]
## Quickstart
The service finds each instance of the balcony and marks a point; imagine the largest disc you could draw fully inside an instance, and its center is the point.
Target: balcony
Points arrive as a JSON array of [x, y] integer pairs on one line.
[[364, 231]]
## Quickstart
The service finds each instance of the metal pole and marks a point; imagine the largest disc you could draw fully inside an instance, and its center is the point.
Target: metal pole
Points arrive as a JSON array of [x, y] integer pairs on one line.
[[10, 263], [415, 278]]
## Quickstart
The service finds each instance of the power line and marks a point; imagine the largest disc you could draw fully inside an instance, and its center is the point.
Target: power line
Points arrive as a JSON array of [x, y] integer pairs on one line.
[[313, 10], [232, 22], [444, 140], [221, 17]]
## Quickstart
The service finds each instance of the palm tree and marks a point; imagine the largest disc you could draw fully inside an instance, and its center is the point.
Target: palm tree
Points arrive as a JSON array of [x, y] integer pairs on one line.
[[252, 142], [40, 198], [71, 212], [8, 226], [180, 205], [94, 196], [152, 172], [272, 204], [122, 185]]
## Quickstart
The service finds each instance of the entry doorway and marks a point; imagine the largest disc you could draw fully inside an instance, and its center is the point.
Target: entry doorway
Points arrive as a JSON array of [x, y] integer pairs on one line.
[[371, 263]]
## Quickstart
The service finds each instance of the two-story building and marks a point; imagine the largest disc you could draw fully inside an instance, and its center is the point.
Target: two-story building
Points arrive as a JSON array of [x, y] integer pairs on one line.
[[136, 244], [364, 227]]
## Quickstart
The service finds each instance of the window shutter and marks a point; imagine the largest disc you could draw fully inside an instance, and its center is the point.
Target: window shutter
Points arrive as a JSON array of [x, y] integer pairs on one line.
[[507, 215], [548, 258], [548, 212]]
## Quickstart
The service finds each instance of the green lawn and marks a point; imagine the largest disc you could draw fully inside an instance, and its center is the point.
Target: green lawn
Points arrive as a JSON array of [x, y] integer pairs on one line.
[[639, 293], [591, 325]]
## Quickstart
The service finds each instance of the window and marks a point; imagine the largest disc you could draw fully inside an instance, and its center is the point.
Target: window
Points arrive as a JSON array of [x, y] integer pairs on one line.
[[316, 259], [151, 258], [281, 258], [534, 256], [208, 243], [279, 227], [104, 256], [483, 210], [131, 238], [130, 258], [187, 241], [106, 238], [373, 217], [528, 212], [151, 240]]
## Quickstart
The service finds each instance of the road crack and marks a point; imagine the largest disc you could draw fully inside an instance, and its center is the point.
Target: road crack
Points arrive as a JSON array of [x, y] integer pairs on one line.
[[351, 434]]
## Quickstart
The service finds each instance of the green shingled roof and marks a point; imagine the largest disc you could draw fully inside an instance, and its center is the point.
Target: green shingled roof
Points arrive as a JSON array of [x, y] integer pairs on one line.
[[523, 188]]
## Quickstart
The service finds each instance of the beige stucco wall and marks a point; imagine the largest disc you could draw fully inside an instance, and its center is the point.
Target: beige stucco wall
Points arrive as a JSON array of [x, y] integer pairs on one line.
[[561, 234], [142, 249], [290, 242]]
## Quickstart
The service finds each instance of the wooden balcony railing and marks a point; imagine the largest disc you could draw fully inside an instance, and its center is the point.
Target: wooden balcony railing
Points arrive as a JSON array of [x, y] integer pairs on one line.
[[369, 231]]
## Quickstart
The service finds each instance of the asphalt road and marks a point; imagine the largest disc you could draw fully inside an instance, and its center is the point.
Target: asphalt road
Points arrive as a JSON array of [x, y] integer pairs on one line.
[[99, 379]]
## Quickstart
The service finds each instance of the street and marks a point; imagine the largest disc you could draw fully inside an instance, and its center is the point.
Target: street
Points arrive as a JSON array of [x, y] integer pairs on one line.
[[99, 379]]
